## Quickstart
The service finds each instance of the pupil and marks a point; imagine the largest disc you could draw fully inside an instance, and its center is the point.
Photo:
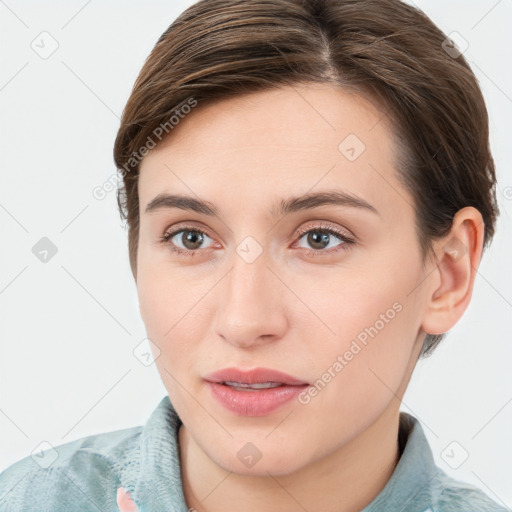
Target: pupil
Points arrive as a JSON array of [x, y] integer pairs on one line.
[[319, 238], [192, 237]]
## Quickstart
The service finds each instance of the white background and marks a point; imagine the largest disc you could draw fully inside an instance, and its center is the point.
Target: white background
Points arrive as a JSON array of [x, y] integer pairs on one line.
[[69, 326]]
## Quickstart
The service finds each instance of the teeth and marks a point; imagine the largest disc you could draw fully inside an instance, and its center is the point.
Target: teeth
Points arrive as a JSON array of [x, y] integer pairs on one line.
[[259, 385]]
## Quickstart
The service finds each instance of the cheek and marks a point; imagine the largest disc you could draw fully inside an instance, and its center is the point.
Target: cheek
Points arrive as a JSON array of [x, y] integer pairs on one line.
[[172, 310], [170, 320], [368, 329], [164, 296]]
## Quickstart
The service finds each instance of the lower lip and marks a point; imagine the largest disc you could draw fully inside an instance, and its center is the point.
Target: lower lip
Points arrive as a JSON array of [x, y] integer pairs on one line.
[[254, 403]]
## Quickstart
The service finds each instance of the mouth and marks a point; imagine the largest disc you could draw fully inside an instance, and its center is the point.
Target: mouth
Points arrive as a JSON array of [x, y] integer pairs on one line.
[[243, 386], [255, 379], [257, 392]]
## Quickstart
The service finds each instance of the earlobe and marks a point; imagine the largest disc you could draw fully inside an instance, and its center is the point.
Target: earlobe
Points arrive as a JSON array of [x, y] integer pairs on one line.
[[458, 257]]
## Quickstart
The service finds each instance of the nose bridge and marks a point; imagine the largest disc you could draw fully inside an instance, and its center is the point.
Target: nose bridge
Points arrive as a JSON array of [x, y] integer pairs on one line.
[[248, 281], [249, 272], [247, 308]]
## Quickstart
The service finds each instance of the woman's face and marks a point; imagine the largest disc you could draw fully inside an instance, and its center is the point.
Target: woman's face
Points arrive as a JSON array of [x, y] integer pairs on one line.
[[257, 285]]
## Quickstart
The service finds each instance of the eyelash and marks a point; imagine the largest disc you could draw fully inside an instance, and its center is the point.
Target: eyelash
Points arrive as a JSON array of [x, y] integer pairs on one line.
[[346, 245]]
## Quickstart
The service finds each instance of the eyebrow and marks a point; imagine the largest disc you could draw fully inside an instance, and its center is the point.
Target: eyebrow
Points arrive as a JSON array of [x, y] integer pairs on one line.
[[284, 207]]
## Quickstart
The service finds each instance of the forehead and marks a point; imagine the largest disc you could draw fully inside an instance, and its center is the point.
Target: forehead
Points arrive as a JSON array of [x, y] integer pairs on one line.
[[275, 143]]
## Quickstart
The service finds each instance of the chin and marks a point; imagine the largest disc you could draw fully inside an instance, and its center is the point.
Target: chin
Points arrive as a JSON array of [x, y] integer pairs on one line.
[[277, 462]]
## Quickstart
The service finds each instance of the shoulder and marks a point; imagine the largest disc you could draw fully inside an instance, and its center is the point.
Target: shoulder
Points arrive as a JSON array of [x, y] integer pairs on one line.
[[452, 495], [78, 475], [425, 486]]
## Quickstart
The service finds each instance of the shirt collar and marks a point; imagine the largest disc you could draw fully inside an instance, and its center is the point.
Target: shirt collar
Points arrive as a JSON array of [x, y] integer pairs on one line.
[[159, 483], [410, 484]]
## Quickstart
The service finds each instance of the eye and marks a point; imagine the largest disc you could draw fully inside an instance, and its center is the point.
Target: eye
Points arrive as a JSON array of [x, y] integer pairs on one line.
[[190, 237], [321, 238]]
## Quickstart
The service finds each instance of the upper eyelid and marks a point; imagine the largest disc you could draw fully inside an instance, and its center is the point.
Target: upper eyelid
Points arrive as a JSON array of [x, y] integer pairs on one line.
[[175, 230], [327, 227]]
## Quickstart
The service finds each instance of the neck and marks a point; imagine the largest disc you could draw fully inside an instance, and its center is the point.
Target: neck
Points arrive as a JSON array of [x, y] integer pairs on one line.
[[346, 480]]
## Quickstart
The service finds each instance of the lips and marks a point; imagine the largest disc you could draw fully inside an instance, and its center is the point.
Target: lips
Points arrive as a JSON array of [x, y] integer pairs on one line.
[[254, 376], [256, 392]]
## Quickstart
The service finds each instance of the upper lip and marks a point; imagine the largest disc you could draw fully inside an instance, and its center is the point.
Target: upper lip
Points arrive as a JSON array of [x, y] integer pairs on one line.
[[254, 376]]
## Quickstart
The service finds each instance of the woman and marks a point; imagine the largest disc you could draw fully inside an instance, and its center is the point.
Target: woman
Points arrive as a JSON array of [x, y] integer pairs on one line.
[[309, 188]]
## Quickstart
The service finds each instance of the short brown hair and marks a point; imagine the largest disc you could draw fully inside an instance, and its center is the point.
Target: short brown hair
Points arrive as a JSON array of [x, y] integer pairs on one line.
[[384, 49]]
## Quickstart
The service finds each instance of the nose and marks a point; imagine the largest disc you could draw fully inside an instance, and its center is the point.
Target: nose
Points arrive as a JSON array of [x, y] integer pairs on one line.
[[251, 309]]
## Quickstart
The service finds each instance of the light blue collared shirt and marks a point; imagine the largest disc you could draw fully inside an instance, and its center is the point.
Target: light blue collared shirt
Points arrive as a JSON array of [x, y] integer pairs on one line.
[[87, 472]]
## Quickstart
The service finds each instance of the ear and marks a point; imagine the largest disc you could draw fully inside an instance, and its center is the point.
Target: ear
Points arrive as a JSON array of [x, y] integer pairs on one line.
[[457, 256]]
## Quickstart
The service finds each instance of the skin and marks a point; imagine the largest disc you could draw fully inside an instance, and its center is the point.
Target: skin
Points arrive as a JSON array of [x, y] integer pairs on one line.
[[290, 309]]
